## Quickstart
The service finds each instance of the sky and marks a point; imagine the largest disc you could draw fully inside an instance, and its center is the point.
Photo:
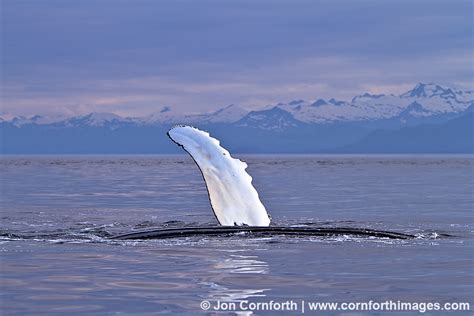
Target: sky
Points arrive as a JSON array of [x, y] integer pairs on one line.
[[132, 58]]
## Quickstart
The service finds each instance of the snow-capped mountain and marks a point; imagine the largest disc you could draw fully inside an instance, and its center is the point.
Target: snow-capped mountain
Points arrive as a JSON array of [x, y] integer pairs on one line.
[[36, 119], [229, 114], [275, 119], [91, 119], [422, 102], [427, 119], [429, 99], [167, 115], [94, 119]]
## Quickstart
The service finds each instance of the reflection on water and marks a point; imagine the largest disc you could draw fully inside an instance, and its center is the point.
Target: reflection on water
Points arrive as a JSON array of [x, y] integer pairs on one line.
[[236, 264], [243, 264]]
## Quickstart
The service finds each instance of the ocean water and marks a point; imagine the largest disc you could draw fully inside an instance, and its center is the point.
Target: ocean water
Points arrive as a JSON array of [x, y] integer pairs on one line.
[[58, 212]]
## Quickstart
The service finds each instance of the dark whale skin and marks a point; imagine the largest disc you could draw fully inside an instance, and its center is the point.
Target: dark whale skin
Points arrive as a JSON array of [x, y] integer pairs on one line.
[[257, 231]]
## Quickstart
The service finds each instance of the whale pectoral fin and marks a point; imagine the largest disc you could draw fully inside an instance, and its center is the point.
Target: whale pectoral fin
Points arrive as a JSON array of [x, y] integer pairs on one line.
[[233, 198]]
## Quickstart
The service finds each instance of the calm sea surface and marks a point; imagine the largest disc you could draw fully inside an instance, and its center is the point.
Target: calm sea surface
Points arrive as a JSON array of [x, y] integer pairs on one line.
[[57, 213]]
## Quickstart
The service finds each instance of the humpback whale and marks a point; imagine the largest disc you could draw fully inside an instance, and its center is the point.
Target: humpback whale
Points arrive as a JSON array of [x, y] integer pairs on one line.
[[234, 200]]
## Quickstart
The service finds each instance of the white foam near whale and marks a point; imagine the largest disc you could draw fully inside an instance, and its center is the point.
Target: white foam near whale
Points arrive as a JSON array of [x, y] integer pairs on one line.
[[234, 199]]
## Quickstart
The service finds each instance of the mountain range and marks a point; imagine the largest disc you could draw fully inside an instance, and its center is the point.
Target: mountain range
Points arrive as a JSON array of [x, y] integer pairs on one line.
[[428, 118]]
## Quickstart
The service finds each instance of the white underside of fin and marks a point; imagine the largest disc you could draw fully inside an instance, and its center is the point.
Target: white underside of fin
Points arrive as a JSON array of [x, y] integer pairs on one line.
[[233, 198]]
